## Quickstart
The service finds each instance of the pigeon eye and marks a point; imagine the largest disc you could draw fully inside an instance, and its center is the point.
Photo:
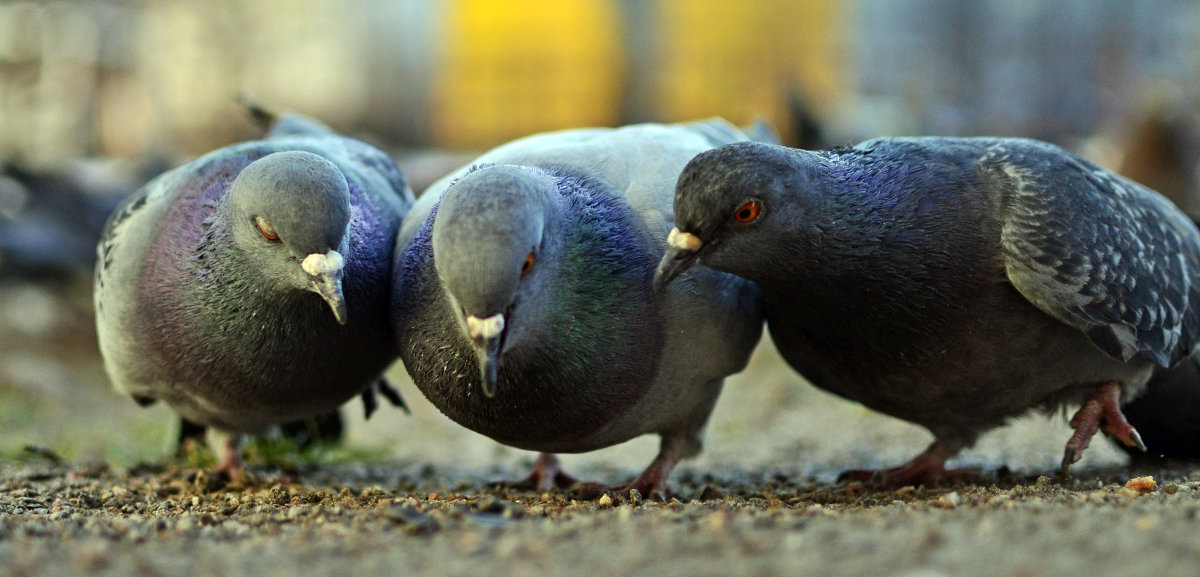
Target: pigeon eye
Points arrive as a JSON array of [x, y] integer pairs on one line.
[[528, 265], [748, 212], [266, 229]]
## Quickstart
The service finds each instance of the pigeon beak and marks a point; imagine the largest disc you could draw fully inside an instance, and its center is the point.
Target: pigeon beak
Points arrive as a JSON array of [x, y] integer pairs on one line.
[[325, 271], [682, 248], [487, 334]]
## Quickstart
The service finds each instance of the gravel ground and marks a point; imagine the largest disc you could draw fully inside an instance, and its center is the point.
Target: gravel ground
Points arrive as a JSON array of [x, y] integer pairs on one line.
[[389, 517], [417, 494]]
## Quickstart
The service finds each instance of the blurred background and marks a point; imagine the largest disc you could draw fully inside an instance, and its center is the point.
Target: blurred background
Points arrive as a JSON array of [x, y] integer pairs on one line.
[[98, 96]]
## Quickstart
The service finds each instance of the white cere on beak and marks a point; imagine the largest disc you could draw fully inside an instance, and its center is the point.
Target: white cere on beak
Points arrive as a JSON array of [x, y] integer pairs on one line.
[[487, 328], [317, 264], [683, 240]]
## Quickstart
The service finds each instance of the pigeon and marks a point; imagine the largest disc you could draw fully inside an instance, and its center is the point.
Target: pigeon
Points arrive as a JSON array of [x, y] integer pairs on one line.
[[951, 282], [250, 287], [50, 221], [522, 300]]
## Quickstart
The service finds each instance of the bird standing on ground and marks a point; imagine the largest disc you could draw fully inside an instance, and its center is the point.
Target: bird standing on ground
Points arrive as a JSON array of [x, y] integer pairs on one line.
[[951, 282], [249, 287], [523, 302]]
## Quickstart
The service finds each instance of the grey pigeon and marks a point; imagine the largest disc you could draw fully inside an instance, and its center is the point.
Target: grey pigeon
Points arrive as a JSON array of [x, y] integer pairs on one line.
[[50, 221], [249, 287], [951, 282], [523, 301]]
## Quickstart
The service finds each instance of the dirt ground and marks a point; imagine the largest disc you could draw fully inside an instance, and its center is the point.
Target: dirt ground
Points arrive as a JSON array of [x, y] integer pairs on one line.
[[419, 495]]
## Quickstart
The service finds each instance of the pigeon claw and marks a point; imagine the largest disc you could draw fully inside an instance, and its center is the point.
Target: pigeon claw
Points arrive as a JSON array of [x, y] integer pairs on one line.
[[1071, 455], [652, 483], [546, 475], [928, 469], [230, 466], [1137, 440], [1102, 411]]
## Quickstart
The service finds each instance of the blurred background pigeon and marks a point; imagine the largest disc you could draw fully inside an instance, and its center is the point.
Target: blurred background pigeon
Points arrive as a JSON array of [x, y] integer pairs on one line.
[[50, 221]]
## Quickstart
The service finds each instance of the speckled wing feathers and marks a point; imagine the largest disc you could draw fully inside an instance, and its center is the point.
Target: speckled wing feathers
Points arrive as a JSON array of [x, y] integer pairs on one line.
[[1101, 253]]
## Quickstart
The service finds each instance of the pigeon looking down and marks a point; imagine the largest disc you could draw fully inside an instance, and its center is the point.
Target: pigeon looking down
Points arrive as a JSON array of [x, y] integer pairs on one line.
[[951, 282], [248, 288], [523, 302]]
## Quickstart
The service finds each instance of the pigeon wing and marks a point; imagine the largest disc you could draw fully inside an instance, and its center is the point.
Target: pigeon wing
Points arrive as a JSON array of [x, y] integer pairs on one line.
[[1101, 253]]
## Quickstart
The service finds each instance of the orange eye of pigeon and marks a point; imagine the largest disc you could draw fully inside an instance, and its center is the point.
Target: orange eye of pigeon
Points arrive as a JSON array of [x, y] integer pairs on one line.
[[748, 212], [266, 229], [528, 266]]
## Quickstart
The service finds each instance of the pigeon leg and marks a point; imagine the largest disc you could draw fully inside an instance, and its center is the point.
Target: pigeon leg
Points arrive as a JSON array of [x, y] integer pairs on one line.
[[650, 484], [1104, 405], [547, 474], [653, 481], [928, 468], [229, 464]]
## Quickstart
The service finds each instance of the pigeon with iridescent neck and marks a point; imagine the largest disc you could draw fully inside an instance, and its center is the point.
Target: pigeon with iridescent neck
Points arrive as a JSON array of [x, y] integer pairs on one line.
[[523, 303], [952, 282], [249, 288]]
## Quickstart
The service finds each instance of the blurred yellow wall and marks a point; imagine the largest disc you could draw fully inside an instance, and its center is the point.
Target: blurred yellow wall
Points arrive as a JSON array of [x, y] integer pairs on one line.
[[513, 67], [740, 59]]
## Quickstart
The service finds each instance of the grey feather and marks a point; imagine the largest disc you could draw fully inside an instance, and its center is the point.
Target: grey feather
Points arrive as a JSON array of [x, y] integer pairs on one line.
[[1100, 253]]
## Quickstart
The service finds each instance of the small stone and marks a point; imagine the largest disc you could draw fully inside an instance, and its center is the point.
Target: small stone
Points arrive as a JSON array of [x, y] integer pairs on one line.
[[605, 501], [635, 497], [1141, 485], [950, 500], [1127, 492]]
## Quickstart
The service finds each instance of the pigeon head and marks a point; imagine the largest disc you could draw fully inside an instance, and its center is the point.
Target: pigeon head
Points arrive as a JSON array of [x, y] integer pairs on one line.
[[726, 200], [291, 213], [491, 251]]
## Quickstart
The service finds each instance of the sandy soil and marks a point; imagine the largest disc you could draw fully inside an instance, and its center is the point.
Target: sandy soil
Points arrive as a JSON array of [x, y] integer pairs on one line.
[[417, 494]]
